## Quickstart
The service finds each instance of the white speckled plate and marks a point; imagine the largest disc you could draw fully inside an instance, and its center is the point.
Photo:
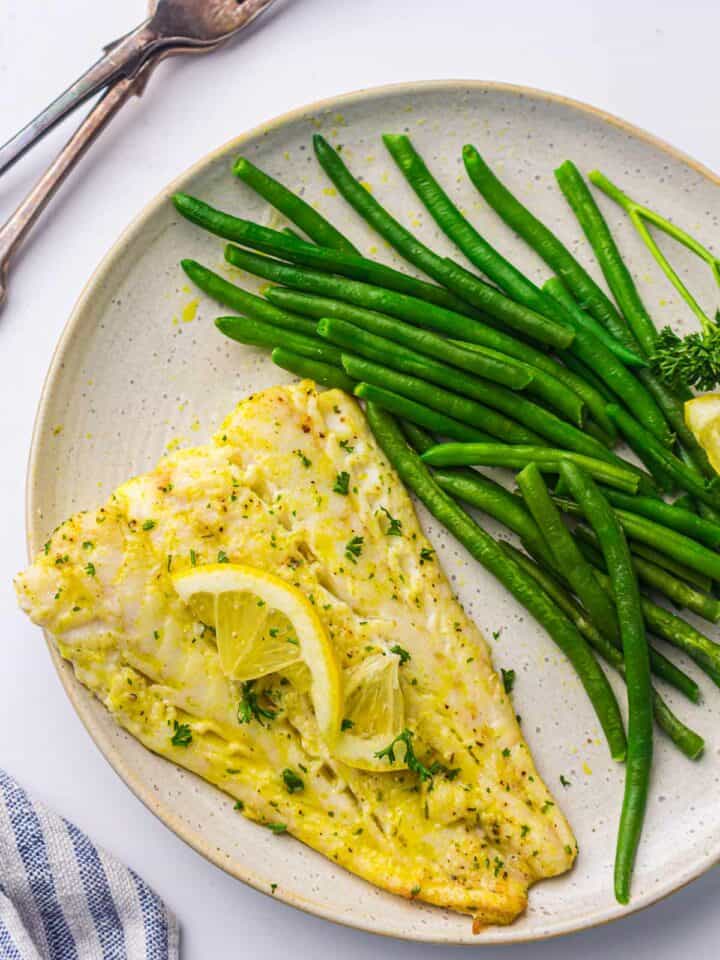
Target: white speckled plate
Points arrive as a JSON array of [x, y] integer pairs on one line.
[[140, 368]]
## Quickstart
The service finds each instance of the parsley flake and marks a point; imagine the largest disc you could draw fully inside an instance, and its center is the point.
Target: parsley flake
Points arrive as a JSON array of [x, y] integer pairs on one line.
[[508, 679], [394, 525], [353, 549], [411, 761], [90, 569], [249, 708], [564, 781], [346, 724], [303, 459], [426, 555], [401, 652], [342, 483], [222, 557], [293, 783], [345, 444], [277, 827], [148, 525], [182, 735]]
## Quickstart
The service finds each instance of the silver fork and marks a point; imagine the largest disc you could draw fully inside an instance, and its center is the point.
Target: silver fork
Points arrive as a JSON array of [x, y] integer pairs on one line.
[[173, 27]]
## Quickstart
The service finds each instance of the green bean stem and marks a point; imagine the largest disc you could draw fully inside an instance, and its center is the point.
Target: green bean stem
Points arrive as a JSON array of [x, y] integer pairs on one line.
[[482, 546]]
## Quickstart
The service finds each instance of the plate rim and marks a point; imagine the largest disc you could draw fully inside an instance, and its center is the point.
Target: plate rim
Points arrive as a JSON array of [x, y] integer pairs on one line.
[[72, 687]]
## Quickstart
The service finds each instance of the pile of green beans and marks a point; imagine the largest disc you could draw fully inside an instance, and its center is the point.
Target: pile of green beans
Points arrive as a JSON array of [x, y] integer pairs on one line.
[[538, 379]]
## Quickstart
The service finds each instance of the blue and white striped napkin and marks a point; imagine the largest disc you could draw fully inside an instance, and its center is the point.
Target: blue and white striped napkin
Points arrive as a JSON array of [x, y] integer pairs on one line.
[[62, 898]]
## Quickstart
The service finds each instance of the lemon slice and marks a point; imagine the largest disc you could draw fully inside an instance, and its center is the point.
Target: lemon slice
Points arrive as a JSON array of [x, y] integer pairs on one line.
[[263, 625], [374, 713], [702, 415]]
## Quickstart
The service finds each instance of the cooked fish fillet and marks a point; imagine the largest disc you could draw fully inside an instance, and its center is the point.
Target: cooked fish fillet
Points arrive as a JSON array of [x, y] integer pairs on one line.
[[262, 494]]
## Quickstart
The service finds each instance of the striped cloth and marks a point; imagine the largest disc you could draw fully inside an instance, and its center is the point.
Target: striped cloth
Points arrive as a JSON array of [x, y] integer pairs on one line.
[[62, 898]]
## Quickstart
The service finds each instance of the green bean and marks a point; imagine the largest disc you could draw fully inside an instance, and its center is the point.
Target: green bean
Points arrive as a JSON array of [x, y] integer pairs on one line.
[[279, 244], [568, 558], [682, 594], [484, 548], [323, 373], [493, 499], [418, 438], [651, 451], [612, 371], [536, 420], [675, 516], [668, 563], [616, 552], [583, 370], [483, 255], [550, 382], [545, 386], [469, 287], [517, 456], [640, 549], [588, 294], [689, 742], [598, 234], [495, 367], [294, 207], [660, 665], [288, 231], [451, 404], [683, 502], [246, 303], [417, 413], [261, 334], [679, 633]]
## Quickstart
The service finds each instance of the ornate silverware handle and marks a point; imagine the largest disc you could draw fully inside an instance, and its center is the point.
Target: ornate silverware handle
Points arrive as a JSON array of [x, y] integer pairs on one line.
[[14, 230], [122, 59]]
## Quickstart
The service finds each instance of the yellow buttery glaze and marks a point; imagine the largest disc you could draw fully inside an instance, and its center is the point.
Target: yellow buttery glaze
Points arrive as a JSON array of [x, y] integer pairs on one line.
[[262, 494]]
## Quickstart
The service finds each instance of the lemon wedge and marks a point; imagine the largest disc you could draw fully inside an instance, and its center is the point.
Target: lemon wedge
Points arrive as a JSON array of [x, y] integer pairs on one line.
[[702, 415], [374, 713], [262, 625]]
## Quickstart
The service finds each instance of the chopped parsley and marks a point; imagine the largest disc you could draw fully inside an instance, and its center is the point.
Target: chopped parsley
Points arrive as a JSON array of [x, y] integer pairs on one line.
[[546, 806], [90, 569], [273, 887], [87, 545], [193, 558], [508, 679], [148, 525], [345, 444], [293, 783], [222, 557], [353, 549], [46, 548], [506, 752], [394, 525], [415, 891], [239, 805], [401, 652], [524, 830], [342, 483], [277, 827], [346, 724], [426, 555], [564, 781], [182, 734], [411, 761], [303, 459], [249, 708]]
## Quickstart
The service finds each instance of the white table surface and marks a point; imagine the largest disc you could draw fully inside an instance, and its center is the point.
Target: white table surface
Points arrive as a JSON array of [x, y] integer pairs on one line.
[[652, 62]]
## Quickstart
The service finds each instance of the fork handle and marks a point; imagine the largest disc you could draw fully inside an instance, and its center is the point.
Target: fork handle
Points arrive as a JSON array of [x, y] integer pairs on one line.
[[14, 230], [122, 59]]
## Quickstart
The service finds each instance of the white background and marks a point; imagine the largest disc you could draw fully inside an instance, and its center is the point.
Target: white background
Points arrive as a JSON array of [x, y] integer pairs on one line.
[[653, 62]]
